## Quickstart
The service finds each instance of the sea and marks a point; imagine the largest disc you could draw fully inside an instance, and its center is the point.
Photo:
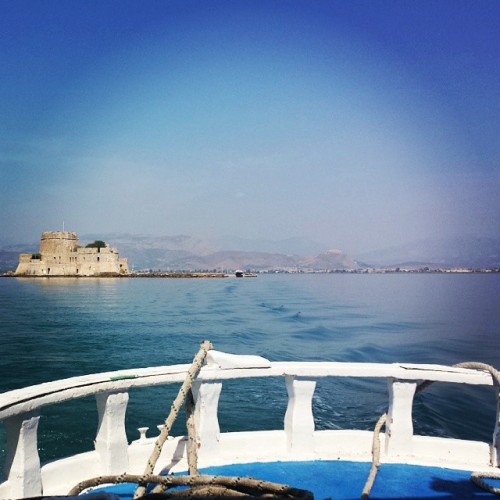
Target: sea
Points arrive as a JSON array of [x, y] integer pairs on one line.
[[53, 328]]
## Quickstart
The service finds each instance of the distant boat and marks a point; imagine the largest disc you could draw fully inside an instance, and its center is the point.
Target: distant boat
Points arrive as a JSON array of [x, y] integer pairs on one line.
[[242, 274]]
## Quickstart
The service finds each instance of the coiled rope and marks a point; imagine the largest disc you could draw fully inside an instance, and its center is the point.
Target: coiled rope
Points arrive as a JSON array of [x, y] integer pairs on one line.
[[477, 478], [200, 485]]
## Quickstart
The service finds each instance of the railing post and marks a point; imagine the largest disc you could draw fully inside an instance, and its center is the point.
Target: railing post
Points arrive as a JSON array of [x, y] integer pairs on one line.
[[22, 463], [495, 449], [299, 419], [206, 396], [399, 424], [111, 440]]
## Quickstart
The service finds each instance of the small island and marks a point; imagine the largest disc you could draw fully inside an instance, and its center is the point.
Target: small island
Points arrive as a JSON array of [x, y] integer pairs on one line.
[[60, 254]]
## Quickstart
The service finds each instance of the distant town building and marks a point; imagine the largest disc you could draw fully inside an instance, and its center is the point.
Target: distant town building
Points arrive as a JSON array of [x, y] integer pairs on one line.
[[61, 255]]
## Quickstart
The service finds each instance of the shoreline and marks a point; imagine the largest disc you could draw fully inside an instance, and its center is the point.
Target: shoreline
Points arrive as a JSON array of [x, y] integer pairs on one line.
[[159, 274], [218, 275]]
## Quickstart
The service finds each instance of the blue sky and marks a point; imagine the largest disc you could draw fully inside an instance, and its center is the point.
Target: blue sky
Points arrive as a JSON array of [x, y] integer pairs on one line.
[[358, 124]]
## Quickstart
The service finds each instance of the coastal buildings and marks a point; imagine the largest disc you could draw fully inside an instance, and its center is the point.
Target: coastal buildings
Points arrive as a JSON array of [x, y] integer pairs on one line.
[[60, 254]]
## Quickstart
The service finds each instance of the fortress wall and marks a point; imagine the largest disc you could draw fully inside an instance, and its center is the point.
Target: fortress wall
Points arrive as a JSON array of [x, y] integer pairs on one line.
[[35, 268], [100, 260], [24, 263], [25, 257]]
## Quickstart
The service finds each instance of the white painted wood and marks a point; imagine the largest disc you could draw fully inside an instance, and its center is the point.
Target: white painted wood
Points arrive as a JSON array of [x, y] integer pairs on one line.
[[399, 424], [142, 433], [299, 420], [206, 396], [226, 361], [22, 460], [60, 476], [111, 440], [31, 398]]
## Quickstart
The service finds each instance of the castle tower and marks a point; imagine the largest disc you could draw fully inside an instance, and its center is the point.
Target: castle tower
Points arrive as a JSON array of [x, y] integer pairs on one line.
[[58, 242]]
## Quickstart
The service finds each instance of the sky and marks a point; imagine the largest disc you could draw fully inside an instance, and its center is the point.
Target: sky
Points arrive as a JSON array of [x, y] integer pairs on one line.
[[359, 124]]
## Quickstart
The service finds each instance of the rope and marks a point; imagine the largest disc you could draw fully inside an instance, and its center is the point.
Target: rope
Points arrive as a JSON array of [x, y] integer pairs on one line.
[[203, 484], [376, 457], [476, 477], [174, 410], [192, 445]]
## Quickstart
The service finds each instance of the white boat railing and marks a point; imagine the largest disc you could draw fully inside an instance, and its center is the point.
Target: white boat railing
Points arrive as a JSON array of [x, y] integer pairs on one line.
[[21, 410]]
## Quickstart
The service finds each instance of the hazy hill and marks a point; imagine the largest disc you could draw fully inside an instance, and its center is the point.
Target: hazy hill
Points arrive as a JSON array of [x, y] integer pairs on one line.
[[332, 259], [233, 259], [155, 252], [184, 252], [289, 246]]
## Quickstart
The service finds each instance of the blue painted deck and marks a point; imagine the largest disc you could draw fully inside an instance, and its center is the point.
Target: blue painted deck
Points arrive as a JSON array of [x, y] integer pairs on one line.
[[339, 480]]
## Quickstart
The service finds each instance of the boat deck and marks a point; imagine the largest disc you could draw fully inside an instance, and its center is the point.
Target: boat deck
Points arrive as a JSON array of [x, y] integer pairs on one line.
[[265, 454], [342, 480]]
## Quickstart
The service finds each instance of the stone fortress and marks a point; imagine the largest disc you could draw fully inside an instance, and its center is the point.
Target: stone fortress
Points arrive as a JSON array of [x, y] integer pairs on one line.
[[61, 255]]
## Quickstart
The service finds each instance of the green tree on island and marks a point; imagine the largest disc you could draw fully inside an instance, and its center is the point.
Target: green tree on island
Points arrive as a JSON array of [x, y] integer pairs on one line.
[[96, 244]]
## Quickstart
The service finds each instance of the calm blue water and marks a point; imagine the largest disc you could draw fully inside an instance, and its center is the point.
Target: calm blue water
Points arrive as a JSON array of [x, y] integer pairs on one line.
[[59, 328]]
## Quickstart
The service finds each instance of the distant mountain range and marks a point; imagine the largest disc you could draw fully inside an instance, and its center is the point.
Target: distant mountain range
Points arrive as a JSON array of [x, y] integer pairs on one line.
[[183, 252]]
